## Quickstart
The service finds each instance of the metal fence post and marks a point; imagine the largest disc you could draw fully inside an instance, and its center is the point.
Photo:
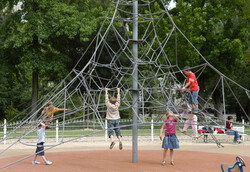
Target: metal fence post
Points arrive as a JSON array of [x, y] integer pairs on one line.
[[4, 131], [57, 129], [152, 130], [106, 130], [243, 126]]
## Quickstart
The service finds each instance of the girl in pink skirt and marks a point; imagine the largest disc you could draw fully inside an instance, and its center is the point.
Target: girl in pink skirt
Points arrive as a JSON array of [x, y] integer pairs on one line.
[[170, 140]]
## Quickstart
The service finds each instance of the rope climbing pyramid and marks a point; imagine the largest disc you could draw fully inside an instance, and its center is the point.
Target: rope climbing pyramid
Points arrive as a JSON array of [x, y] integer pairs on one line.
[[113, 64]]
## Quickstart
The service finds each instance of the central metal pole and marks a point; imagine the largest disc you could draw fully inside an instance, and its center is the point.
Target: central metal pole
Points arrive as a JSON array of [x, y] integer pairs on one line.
[[135, 80]]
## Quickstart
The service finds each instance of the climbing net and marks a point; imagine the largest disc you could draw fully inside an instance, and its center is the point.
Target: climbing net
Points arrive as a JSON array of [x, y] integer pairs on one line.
[[111, 65]]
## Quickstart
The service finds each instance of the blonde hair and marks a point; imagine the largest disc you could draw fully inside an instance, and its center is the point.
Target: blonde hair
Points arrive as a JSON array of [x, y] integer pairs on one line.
[[113, 100], [168, 113], [49, 103]]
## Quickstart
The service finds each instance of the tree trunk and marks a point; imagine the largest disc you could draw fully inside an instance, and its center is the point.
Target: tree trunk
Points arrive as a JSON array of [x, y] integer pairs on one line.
[[34, 93], [218, 103]]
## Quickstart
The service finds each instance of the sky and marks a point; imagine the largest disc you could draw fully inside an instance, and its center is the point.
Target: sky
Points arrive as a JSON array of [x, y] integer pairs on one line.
[[172, 5], [18, 6]]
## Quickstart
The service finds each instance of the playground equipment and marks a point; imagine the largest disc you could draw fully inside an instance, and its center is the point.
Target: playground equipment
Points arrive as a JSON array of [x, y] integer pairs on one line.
[[149, 78], [238, 166]]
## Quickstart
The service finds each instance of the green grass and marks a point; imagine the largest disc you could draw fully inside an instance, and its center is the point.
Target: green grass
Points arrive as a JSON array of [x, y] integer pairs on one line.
[[143, 131], [77, 133]]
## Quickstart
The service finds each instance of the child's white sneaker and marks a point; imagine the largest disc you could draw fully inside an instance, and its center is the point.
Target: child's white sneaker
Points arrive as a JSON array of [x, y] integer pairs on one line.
[[48, 162], [35, 162]]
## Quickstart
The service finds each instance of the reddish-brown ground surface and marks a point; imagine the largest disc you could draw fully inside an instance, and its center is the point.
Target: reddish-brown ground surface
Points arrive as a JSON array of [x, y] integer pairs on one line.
[[121, 161], [94, 156]]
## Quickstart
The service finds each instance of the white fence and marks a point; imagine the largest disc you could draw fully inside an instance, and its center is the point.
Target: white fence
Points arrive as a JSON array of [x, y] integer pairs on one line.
[[79, 128], [148, 129]]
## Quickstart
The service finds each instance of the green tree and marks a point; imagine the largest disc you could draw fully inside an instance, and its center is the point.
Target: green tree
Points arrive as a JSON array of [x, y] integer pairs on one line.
[[37, 37], [219, 30]]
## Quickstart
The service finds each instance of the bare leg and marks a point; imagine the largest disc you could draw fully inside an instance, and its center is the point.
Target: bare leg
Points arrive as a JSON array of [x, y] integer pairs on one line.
[[164, 154], [111, 138], [35, 160], [44, 159], [112, 142], [120, 142], [48, 120], [172, 156], [193, 106], [196, 106], [119, 138]]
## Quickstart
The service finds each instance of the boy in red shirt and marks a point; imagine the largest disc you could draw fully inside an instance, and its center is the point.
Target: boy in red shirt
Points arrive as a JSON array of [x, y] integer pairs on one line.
[[193, 87]]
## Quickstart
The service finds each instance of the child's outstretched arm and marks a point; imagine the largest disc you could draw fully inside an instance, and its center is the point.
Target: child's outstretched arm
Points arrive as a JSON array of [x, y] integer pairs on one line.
[[186, 85], [62, 109], [118, 96], [162, 127], [106, 97], [177, 117]]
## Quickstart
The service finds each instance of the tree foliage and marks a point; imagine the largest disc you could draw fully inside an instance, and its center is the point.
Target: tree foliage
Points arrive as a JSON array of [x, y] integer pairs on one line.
[[218, 29], [39, 39], [45, 38]]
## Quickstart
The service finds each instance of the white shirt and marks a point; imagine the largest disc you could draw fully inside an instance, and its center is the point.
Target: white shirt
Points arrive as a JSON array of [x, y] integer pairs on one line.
[[41, 135]]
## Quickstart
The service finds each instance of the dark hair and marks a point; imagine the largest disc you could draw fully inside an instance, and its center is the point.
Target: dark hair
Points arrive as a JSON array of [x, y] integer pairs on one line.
[[183, 108], [186, 68], [229, 117], [184, 105], [40, 123]]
